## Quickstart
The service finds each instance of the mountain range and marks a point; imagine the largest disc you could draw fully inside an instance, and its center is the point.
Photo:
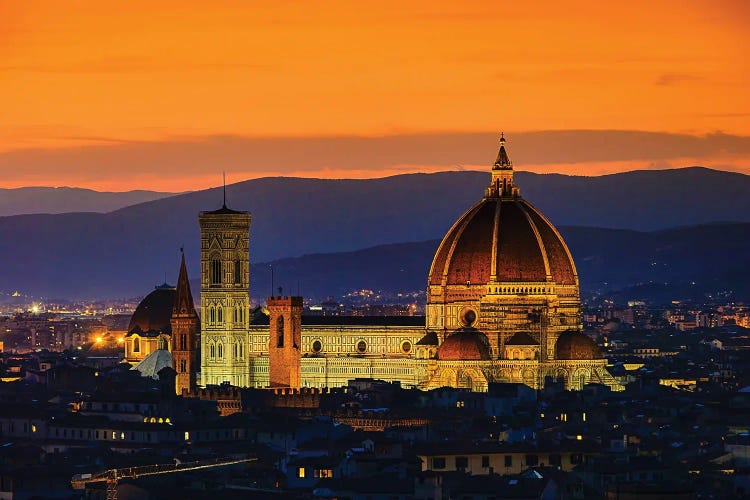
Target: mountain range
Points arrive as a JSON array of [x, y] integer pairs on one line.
[[127, 251], [57, 200], [683, 263]]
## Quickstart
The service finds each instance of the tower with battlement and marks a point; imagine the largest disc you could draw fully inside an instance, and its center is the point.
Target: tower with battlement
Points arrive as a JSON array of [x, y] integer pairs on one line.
[[285, 341]]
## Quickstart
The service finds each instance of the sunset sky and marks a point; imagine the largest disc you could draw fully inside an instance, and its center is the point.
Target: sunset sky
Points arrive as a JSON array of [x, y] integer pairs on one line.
[[167, 95]]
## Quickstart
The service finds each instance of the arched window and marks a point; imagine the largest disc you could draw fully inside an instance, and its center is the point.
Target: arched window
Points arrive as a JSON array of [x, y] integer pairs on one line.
[[212, 315], [236, 351], [136, 344], [242, 350], [221, 350], [183, 342], [220, 314], [236, 314], [183, 366], [215, 271], [212, 350], [280, 332]]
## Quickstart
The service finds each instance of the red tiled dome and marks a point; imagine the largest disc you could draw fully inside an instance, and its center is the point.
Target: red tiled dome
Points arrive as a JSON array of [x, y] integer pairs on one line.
[[502, 239], [153, 315], [464, 345], [576, 345]]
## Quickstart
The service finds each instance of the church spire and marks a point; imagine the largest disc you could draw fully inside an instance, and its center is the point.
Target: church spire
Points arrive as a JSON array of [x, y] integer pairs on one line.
[[501, 185], [183, 302]]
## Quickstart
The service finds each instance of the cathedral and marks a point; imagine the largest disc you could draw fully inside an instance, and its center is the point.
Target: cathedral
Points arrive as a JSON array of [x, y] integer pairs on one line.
[[503, 305]]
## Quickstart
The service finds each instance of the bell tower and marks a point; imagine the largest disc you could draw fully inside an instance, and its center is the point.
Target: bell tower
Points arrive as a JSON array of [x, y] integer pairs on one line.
[[285, 341], [225, 298], [185, 334]]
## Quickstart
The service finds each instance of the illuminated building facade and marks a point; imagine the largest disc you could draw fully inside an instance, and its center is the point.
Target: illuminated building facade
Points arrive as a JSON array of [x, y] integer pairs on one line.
[[502, 306]]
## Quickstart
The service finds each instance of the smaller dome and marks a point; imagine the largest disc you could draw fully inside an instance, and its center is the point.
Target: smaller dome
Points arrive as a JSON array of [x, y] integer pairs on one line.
[[153, 315], [575, 346], [521, 338], [465, 345]]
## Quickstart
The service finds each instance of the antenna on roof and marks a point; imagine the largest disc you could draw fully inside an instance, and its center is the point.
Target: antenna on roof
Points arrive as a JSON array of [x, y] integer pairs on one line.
[[224, 178]]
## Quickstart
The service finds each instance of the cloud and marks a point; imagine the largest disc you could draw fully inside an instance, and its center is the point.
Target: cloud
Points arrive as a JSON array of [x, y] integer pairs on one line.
[[669, 79], [131, 65], [174, 161]]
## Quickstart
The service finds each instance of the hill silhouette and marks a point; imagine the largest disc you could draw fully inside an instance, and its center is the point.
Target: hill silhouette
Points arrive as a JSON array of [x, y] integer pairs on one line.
[[125, 252], [683, 263], [56, 200]]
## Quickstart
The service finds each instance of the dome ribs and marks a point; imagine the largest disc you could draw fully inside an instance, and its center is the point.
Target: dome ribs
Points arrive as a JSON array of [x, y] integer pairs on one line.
[[470, 259], [561, 263], [438, 269], [519, 256]]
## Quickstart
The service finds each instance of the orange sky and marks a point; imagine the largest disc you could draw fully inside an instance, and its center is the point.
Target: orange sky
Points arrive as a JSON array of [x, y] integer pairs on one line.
[[84, 77]]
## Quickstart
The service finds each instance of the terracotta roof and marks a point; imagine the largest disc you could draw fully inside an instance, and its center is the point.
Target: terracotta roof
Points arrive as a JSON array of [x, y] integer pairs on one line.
[[521, 338], [154, 312], [465, 345], [576, 345], [430, 338], [526, 245]]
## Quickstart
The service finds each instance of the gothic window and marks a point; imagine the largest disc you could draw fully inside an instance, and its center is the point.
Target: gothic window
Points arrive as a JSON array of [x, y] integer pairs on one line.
[[280, 332], [236, 314], [211, 315], [183, 342], [220, 314], [236, 352], [215, 271], [237, 272], [183, 366], [136, 344], [242, 350], [212, 350], [221, 350]]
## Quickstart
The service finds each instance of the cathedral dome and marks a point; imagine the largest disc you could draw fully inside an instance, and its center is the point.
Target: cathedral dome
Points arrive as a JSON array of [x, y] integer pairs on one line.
[[502, 239], [154, 312], [573, 345], [464, 345]]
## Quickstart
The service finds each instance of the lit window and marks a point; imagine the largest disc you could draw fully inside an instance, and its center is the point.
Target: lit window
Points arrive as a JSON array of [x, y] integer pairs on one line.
[[187, 436], [301, 472]]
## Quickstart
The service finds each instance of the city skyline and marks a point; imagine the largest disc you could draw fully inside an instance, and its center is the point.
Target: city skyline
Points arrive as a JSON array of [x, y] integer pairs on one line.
[[177, 95]]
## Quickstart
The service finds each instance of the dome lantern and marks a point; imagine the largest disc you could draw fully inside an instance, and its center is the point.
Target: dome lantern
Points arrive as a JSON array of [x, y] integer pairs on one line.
[[501, 184]]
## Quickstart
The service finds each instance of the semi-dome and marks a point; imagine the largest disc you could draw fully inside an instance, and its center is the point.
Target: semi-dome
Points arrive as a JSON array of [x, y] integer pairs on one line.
[[154, 312], [464, 345], [574, 345]]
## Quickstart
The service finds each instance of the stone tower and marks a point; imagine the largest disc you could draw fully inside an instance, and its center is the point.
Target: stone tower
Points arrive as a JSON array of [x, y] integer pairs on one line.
[[185, 334], [285, 341], [225, 299]]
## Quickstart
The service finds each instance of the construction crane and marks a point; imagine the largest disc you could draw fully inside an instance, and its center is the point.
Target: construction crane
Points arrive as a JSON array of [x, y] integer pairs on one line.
[[113, 476]]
